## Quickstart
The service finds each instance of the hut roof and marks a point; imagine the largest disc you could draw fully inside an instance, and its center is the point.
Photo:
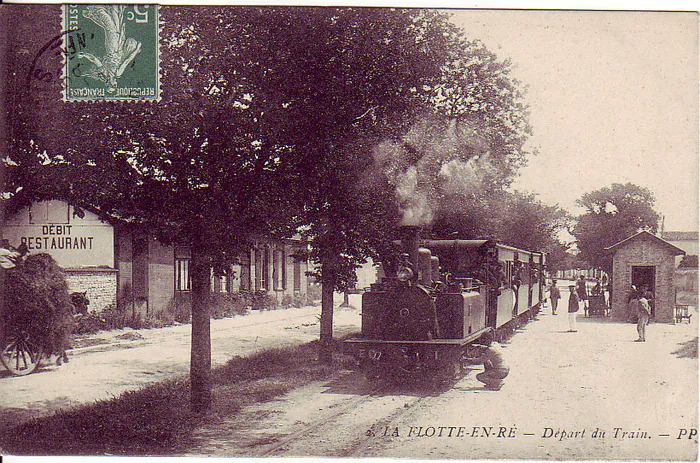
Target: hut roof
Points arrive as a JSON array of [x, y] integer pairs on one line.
[[645, 234]]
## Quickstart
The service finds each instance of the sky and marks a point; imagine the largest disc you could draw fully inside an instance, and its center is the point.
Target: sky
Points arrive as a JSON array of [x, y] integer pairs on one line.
[[613, 98], [613, 95]]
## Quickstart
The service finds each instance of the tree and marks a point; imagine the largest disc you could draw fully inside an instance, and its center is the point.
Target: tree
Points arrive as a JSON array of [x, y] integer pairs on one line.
[[527, 223], [512, 217], [380, 58], [270, 119], [449, 106], [207, 167], [559, 257], [612, 214], [465, 155]]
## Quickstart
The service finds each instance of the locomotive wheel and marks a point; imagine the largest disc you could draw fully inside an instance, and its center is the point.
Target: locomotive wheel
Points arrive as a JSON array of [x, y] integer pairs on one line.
[[22, 355]]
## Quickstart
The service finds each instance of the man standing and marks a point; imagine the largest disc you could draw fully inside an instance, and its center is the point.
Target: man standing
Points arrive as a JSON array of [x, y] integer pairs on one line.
[[573, 308], [644, 311], [582, 291], [554, 296], [633, 303]]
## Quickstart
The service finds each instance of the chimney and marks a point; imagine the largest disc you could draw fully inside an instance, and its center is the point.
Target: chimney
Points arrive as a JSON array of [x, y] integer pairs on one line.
[[410, 239]]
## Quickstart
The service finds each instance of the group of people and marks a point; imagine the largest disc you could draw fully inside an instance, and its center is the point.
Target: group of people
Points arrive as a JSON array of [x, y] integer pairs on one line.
[[578, 295], [639, 303]]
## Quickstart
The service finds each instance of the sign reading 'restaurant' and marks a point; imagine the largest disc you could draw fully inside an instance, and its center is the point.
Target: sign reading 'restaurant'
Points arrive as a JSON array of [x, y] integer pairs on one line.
[[57, 237]]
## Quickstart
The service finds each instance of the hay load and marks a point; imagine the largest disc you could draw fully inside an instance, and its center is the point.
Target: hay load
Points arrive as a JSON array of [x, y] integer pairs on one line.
[[37, 306]]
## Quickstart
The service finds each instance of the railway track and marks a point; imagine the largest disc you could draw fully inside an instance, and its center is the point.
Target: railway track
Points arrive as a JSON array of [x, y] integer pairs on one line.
[[353, 448], [298, 435]]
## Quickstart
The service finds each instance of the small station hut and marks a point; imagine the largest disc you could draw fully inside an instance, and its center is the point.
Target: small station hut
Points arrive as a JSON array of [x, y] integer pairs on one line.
[[644, 260]]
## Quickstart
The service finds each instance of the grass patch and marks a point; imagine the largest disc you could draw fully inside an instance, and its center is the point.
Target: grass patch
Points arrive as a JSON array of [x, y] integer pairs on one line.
[[156, 420], [689, 349]]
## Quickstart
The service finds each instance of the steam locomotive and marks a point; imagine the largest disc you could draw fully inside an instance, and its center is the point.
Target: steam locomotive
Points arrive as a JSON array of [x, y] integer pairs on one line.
[[420, 322]]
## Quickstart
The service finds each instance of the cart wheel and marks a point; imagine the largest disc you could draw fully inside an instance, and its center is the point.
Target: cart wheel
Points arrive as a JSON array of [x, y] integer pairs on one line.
[[22, 355]]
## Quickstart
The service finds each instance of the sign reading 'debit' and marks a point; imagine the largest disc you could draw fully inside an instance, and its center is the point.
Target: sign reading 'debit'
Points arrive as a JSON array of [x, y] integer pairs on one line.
[[111, 52]]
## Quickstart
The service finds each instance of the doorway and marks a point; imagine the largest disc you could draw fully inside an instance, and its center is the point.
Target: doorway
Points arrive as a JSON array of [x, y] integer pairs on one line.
[[644, 278]]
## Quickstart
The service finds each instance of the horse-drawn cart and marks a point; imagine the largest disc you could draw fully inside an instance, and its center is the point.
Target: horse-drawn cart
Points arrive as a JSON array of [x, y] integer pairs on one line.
[[597, 305], [36, 318]]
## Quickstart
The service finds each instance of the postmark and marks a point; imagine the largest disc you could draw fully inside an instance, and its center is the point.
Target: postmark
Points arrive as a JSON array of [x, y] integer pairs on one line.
[[111, 52]]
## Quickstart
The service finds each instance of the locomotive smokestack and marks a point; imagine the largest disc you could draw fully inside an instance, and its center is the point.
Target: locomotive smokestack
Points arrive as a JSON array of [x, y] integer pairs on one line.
[[410, 239]]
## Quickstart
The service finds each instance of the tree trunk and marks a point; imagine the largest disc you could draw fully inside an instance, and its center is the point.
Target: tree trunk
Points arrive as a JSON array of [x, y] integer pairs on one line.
[[346, 299], [2, 304], [200, 361], [325, 349]]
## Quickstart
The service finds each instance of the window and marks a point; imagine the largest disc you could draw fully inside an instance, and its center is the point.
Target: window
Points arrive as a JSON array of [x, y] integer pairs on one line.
[[283, 270], [49, 212], [279, 271], [245, 272], [525, 273], [182, 274], [297, 275], [223, 284], [509, 274], [262, 268]]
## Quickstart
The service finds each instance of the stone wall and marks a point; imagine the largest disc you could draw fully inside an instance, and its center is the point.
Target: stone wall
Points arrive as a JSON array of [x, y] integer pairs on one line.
[[100, 284], [648, 252]]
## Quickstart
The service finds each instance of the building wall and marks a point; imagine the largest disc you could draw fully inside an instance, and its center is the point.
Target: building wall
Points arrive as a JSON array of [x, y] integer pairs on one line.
[[643, 251], [161, 275], [115, 265], [124, 266], [100, 286], [253, 274], [690, 247], [81, 244]]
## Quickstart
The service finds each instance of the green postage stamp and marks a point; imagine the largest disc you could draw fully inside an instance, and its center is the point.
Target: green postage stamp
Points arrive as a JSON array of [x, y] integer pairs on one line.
[[111, 52]]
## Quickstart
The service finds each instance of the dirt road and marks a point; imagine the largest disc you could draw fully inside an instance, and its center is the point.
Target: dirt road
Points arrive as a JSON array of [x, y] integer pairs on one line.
[[594, 394], [133, 358]]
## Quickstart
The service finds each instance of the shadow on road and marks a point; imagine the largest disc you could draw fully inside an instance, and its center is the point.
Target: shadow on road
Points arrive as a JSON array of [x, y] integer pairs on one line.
[[689, 349], [596, 319], [355, 383], [42, 369]]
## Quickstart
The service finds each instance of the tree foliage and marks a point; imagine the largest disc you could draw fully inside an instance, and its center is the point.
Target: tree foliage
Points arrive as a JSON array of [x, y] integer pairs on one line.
[[335, 119], [528, 223], [612, 214]]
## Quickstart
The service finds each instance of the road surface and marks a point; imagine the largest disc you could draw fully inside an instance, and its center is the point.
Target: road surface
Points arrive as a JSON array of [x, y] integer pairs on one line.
[[139, 357], [594, 394]]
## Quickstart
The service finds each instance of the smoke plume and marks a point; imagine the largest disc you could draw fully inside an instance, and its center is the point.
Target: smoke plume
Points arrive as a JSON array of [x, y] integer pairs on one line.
[[436, 160]]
